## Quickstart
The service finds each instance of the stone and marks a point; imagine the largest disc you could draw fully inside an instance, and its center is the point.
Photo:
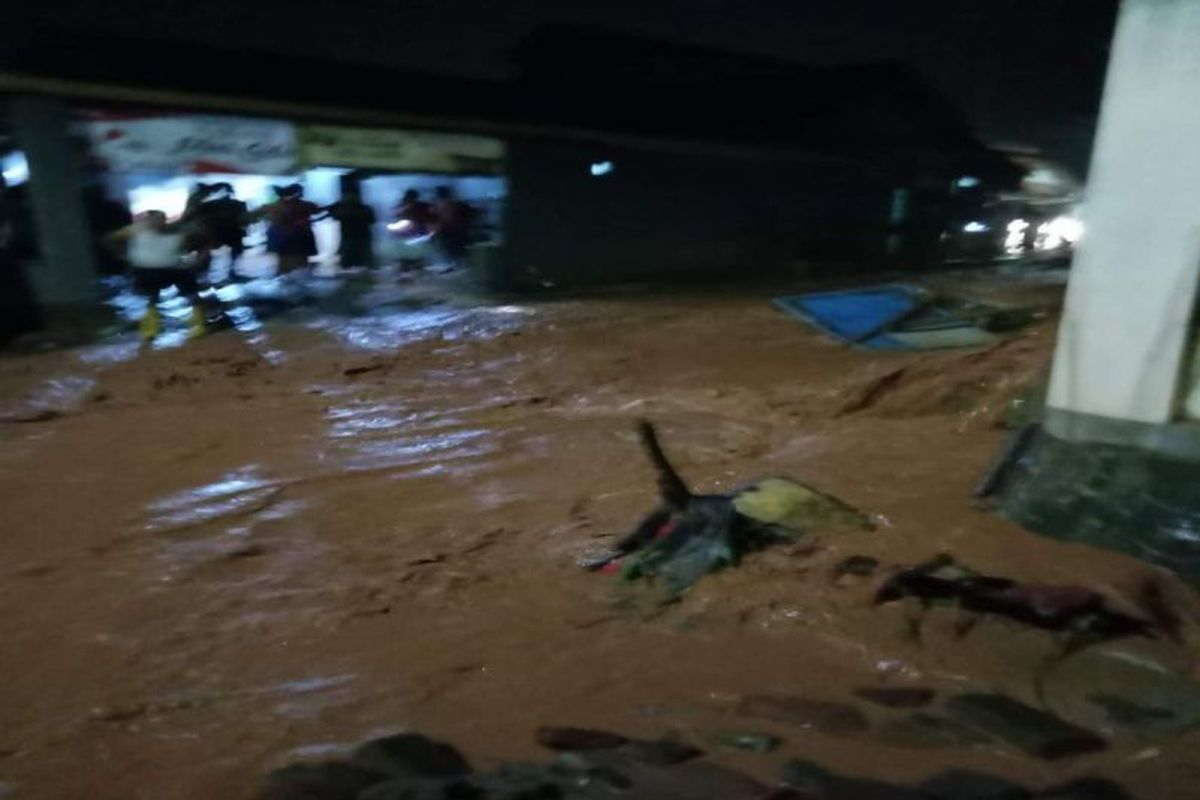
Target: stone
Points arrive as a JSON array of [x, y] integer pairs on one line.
[[928, 730], [409, 755], [1128, 714], [749, 741], [33, 415], [817, 783], [1085, 789], [511, 782], [967, 784], [862, 566], [118, 713], [1032, 730], [1126, 689], [821, 715], [244, 551], [603, 773], [418, 789], [897, 697], [693, 780], [660, 751], [555, 738], [363, 369], [332, 780], [610, 778]]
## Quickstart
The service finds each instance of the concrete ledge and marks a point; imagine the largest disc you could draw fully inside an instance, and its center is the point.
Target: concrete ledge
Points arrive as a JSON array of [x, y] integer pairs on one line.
[[1140, 501], [1176, 440]]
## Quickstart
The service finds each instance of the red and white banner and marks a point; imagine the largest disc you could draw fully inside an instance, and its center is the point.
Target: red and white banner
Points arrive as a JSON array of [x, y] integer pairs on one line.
[[192, 144]]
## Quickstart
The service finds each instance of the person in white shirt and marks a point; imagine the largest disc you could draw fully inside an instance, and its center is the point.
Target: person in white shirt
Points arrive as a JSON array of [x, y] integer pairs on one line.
[[156, 250]]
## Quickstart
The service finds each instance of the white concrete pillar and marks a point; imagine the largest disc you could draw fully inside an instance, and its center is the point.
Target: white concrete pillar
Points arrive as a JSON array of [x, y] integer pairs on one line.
[[1132, 293], [65, 272]]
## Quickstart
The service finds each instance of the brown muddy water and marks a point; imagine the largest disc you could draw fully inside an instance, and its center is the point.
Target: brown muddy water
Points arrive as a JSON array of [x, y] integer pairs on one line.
[[243, 551]]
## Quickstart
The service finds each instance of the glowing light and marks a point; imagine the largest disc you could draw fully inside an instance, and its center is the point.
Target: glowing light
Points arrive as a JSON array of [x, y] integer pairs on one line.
[[1014, 241], [15, 168], [602, 168], [400, 226], [975, 227], [1058, 232], [967, 182], [169, 199]]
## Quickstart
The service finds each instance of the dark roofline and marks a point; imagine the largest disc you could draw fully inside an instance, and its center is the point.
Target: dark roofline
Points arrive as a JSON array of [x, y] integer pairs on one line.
[[100, 94], [182, 76]]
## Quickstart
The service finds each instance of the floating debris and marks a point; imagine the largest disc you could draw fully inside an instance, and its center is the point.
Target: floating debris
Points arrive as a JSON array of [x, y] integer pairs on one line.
[[1081, 613], [692, 535]]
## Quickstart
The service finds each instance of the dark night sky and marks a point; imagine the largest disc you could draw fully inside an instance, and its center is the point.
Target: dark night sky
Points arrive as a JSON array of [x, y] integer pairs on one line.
[[1026, 71]]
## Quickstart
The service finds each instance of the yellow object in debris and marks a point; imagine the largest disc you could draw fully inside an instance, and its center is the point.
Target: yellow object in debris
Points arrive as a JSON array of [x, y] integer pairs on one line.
[[149, 326], [779, 501], [196, 323]]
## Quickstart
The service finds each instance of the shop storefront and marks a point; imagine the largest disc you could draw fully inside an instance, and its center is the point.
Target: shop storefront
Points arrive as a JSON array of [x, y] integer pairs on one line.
[[154, 161]]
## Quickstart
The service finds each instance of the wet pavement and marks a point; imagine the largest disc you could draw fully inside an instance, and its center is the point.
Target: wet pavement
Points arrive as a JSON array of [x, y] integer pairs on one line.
[[276, 542]]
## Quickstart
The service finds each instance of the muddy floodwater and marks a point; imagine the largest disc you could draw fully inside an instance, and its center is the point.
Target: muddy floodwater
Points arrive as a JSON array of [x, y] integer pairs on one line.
[[257, 548]]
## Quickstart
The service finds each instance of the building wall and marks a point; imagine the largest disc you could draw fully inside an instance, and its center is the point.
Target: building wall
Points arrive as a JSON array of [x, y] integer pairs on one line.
[[1131, 298], [668, 216]]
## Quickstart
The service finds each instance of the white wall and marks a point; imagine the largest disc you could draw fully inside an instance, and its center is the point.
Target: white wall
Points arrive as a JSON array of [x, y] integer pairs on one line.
[[1130, 301]]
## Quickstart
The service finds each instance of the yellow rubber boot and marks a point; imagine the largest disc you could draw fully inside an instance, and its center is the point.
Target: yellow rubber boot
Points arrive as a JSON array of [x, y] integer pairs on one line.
[[196, 326], [150, 325]]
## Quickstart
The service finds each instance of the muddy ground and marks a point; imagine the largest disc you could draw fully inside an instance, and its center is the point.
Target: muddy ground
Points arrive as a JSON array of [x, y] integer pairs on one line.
[[227, 555]]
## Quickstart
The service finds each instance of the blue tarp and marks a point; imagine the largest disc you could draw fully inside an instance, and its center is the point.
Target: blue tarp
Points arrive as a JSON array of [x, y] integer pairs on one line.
[[851, 315]]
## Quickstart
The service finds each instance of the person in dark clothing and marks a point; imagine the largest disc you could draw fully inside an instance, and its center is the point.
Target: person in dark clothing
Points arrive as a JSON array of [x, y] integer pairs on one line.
[[416, 213], [19, 311], [453, 219], [356, 221], [223, 221], [414, 220], [289, 228]]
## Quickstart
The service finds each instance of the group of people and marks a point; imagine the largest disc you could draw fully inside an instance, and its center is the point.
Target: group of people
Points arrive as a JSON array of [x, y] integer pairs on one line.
[[449, 222], [162, 253]]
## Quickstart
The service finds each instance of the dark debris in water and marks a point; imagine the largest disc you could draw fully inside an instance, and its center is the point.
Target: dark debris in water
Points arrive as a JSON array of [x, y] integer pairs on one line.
[[410, 755], [32, 415], [1024, 727], [861, 566], [574, 739], [924, 730], [748, 741], [1084, 615], [968, 784], [840, 719], [607, 765], [897, 696], [690, 535], [1127, 713]]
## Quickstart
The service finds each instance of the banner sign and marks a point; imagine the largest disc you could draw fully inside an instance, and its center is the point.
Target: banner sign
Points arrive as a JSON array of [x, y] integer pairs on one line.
[[398, 151], [193, 144]]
